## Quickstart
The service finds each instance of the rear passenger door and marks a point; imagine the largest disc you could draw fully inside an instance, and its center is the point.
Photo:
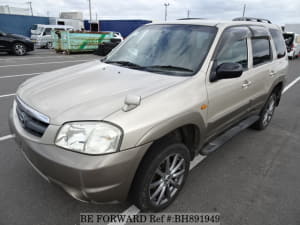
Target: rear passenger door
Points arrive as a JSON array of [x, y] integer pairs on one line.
[[5, 43], [279, 64], [261, 69]]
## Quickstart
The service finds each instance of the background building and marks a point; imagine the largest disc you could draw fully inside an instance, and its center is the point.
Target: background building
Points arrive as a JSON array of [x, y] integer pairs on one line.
[[6, 9]]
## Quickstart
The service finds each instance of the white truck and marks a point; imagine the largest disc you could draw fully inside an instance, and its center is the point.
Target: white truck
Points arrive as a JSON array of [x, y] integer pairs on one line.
[[75, 23], [41, 34]]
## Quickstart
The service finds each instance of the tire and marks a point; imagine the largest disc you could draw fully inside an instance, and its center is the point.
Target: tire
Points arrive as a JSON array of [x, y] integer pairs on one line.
[[49, 45], [154, 188], [19, 49], [267, 113]]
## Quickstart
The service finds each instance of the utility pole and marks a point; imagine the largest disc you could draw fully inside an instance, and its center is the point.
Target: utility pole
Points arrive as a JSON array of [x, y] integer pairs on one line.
[[166, 10], [244, 10], [30, 5], [188, 13], [90, 10], [8, 9]]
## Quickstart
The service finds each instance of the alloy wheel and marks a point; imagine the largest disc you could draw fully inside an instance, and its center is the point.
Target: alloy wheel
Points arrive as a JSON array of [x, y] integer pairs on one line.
[[269, 111], [167, 179], [20, 49]]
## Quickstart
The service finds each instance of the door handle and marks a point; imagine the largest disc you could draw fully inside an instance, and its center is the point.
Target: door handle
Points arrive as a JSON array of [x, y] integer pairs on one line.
[[246, 84]]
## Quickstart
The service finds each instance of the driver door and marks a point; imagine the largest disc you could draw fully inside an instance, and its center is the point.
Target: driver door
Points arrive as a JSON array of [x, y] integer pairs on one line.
[[4, 42], [229, 99]]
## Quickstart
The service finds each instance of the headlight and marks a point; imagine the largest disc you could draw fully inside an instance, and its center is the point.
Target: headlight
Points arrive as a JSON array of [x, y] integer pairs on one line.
[[89, 137]]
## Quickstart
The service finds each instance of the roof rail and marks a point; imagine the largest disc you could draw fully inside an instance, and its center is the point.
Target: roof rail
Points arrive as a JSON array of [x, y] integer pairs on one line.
[[252, 19], [192, 19]]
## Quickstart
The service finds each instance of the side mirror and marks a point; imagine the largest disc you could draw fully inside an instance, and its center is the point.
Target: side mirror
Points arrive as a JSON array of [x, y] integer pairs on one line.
[[228, 71]]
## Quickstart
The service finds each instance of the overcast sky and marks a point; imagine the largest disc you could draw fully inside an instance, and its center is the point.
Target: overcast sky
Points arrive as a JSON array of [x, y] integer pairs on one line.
[[280, 11]]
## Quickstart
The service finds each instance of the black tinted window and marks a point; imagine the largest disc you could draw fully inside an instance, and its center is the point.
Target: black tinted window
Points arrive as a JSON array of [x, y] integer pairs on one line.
[[261, 51], [47, 31], [233, 47], [279, 42]]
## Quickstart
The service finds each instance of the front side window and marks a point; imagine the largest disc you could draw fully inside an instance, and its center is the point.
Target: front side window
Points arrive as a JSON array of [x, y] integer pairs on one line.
[[166, 49], [279, 42], [233, 47], [261, 51], [47, 31]]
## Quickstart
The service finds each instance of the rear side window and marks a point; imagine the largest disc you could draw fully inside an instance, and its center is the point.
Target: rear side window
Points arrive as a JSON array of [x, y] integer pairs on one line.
[[279, 42], [261, 51], [233, 47]]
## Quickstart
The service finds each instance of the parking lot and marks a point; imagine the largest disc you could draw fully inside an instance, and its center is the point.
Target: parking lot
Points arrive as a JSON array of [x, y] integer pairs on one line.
[[253, 179]]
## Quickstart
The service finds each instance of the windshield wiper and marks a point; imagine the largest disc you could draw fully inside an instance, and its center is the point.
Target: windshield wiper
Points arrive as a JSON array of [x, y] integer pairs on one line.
[[170, 67], [124, 63]]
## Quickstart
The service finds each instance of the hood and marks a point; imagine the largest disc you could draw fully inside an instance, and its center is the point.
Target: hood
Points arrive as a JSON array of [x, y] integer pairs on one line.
[[17, 36], [89, 91]]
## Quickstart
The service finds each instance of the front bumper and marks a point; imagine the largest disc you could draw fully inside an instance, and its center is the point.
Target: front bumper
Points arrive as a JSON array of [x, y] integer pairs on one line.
[[30, 46], [291, 53], [105, 178]]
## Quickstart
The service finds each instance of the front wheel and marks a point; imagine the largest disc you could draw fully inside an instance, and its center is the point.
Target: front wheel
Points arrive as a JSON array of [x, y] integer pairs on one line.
[[161, 176], [49, 45], [19, 49], [267, 113]]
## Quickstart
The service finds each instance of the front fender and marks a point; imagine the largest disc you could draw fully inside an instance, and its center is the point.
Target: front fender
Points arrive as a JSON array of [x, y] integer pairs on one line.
[[160, 130]]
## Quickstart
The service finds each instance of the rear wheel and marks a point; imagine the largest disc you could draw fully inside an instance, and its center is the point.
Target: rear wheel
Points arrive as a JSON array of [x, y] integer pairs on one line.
[[267, 113], [19, 49], [161, 176]]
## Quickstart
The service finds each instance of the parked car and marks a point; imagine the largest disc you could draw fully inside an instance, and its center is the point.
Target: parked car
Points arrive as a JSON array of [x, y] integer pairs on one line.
[[129, 124], [118, 35], [14, 43], [292, 41], [105, 47], [41, 34]]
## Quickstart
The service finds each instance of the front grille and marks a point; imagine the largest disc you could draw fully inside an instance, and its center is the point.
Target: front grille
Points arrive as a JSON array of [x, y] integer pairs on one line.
[[32, 121]]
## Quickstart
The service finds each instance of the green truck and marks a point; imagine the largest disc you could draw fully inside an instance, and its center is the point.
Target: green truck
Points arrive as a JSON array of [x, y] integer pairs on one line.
[[71, 41]]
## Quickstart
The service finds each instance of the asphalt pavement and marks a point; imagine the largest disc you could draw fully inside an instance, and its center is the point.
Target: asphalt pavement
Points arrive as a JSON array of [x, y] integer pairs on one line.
[[251, 180]]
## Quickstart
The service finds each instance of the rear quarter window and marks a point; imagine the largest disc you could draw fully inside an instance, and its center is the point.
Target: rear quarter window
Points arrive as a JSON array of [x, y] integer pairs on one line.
[[279, 42]]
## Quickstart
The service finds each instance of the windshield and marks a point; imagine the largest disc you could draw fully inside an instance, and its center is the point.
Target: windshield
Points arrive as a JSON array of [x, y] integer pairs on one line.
[[167, 49], [34, 27]]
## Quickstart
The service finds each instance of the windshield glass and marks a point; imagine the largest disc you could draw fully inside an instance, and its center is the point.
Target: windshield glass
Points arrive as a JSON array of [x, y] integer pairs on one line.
[[167, 49], [34, 27]]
